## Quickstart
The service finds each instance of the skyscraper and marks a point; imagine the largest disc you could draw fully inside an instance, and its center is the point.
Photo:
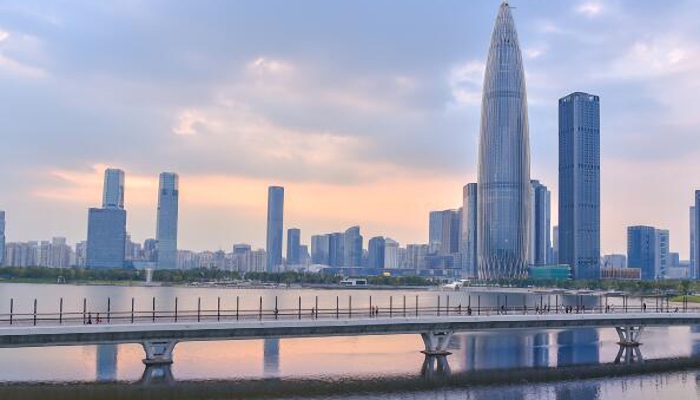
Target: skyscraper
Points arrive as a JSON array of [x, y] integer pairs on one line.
[[469, 231], [696, 242], [376, 247], [435, 221], [113, 191], [106, 244], [352, 249], [106, 235], [579, 184], [540, 242], [662, 253], [693, 273], [391, 254], [444, 231], [336, 249], [166, 226], [503, 200], [319, 249], [293, 246], [275, 215], [555, 245], [2, 238], [641, 245]]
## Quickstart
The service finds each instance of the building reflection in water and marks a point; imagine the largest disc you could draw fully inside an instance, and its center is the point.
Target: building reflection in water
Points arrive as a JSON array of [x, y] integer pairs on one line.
[[271, 357], [695, 340], [581, 390], [540, 351], [514, 349], [498, 350], [578, 346], [106, 362]]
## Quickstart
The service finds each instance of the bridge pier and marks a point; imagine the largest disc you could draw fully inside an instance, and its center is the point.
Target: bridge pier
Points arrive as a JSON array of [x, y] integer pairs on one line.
[[629, 344], [436, 343], [159, 352]]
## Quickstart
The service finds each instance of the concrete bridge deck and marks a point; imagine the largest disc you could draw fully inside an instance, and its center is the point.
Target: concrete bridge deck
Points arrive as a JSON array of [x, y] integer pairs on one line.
[[160, 338], [69, 335]]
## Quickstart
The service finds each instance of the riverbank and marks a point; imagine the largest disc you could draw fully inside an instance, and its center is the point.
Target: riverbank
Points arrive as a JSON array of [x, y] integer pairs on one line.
[[275, 388], [689, 299]]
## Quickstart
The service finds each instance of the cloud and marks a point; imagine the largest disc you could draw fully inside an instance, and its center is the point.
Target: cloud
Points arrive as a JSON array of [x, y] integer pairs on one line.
[[655, 57], [269, 66], [590, 8], [15, 67], [466, 81], [192, 122], [13, 49], [248, 141], [533, 53]]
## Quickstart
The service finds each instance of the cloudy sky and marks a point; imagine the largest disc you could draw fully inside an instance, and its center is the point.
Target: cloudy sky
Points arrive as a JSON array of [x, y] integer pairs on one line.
[[367, 112]]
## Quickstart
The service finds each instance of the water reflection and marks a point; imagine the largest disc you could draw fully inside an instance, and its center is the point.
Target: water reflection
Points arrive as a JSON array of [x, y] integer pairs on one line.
[[157, 374], [695, 336], [494, 350], [271, 357], [578, 346], [541, 350], [586, 390], [435, 366], [106, 362]]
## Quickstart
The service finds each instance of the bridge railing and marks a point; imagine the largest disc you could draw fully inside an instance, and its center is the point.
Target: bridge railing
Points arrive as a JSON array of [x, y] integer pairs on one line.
[[92, 315]]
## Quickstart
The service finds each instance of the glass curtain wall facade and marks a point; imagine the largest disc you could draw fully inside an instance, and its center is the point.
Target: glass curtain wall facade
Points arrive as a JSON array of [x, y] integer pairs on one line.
[[693, 273], [275, 232], [352, 249], [113, 191], [2, 238], [166, 225], [376, 248], [540, 241], [469, 230], [293, 246], [696, 241], [503, 200], [641, 246], [106, 242], [579, 184]]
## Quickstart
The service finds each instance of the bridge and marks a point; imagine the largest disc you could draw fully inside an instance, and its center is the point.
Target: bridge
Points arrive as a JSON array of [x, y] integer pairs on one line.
[[160, 331]]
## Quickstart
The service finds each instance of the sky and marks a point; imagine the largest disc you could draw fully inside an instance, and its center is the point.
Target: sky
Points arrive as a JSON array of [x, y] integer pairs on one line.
[[366, 112]]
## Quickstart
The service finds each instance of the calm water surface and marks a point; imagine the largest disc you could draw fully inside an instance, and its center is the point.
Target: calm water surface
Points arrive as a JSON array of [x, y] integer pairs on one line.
[[370, 367]]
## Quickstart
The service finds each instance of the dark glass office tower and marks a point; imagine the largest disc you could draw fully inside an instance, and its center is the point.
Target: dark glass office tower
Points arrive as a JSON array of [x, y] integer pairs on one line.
[[579, 184], [275, 215], [166, 226]]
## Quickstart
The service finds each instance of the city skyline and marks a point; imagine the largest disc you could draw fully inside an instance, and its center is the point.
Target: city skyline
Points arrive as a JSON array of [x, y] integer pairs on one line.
[[69, 183]]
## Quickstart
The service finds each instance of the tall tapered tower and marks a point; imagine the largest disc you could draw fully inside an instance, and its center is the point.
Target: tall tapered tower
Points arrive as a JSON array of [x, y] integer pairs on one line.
[[503, 209]]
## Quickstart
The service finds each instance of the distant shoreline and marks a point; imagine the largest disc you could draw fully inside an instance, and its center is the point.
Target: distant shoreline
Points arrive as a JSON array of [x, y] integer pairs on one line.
[[196, 285]]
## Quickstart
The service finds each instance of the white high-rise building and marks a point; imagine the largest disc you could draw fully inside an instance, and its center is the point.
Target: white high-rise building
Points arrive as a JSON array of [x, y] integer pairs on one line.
[[391, 254]]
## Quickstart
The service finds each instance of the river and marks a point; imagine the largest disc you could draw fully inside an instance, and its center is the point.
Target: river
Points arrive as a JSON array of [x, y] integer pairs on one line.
[[519, 364]]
